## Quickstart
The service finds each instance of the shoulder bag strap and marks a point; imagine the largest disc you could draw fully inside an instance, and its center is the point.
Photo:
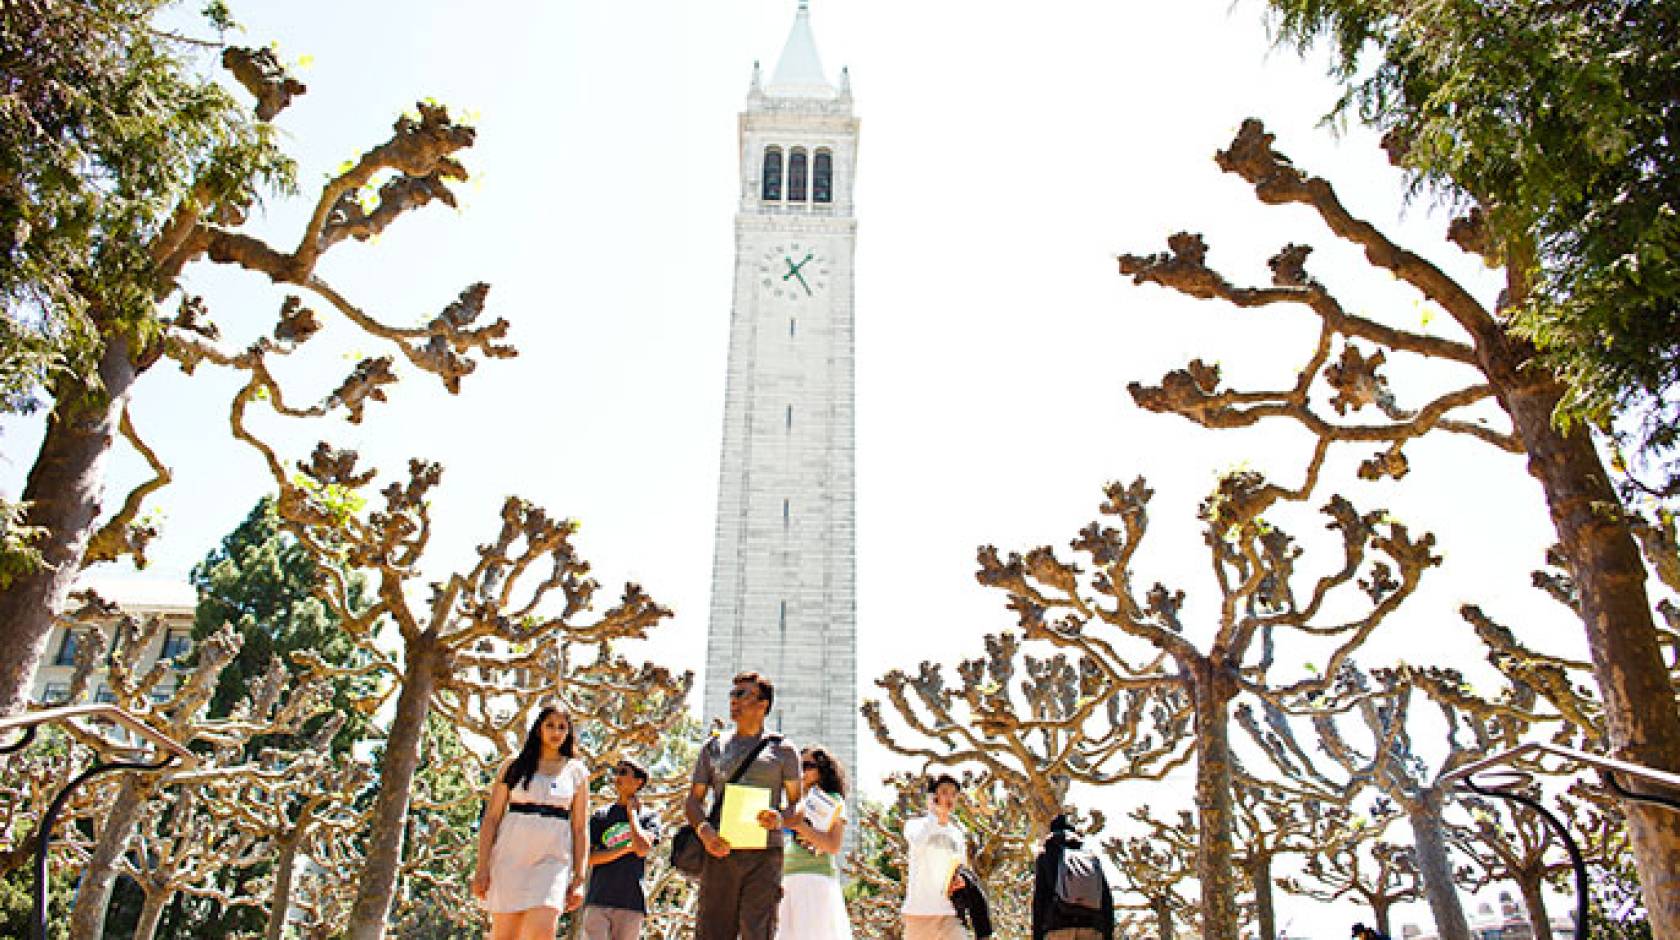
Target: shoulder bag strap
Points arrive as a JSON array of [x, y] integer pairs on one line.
[[716, 812]]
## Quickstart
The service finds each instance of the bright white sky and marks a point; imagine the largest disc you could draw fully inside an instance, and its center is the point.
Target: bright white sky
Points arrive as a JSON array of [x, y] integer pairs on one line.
[[1009, 152]]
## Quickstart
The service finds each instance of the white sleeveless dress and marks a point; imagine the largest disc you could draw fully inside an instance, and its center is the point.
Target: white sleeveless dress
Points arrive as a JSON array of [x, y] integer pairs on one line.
[[531, 862]]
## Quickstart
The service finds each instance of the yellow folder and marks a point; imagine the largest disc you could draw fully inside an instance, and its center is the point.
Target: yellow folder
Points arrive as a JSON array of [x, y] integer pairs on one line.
[[741, 806]]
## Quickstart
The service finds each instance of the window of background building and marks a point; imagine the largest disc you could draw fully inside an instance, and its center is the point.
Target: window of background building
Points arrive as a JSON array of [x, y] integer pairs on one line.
[[105, 695], [822, 178], [175, 643], [66, 650], [796, 176], [56, 693], [772, 173]]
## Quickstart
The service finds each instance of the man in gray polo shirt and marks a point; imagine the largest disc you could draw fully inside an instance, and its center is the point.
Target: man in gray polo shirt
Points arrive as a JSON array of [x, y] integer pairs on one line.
[[741, 888]]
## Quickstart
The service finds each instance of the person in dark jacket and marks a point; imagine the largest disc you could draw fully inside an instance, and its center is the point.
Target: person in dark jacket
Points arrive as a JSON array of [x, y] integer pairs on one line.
[[1052, 920]]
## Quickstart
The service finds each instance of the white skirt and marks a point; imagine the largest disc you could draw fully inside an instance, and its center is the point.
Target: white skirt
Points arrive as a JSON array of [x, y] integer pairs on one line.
[[530, 864], [812, 909]]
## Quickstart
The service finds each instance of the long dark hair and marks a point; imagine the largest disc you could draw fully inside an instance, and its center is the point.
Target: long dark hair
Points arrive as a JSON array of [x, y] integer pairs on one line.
[[524, 767], [831, 774]]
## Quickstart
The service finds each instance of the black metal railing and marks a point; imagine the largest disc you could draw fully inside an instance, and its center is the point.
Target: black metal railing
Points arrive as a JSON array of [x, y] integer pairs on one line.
[[111, 756], [1500, 779]]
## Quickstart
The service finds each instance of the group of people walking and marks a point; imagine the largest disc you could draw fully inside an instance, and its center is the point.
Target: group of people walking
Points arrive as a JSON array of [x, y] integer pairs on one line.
[[778, 882]]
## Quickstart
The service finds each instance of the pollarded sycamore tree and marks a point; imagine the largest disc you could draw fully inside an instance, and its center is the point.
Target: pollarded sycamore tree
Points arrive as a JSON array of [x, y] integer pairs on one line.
[[1136, 641], [1510, 842], [1498, 368], [517, 610], [1155, 867], [161, 174], [1035, 725], [1378, 706], [174, 703], [294, 803], [1272, 824], [1352, 862]]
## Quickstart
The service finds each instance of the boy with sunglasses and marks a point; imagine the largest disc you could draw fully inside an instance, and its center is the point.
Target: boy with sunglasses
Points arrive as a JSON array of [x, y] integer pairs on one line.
[[620, 836]]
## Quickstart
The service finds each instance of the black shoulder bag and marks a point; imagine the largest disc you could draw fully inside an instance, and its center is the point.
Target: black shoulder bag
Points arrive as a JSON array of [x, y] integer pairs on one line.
[[688, 854]]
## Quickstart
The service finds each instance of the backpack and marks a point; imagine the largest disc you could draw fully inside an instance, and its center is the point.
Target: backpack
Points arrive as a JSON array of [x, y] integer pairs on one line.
[[1080, 885]]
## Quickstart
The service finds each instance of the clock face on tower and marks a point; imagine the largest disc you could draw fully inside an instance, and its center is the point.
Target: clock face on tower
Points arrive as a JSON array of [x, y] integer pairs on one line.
[[795, 273]]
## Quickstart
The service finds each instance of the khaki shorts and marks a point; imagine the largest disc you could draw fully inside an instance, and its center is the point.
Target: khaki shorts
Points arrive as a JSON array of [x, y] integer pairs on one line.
[[947, 927]]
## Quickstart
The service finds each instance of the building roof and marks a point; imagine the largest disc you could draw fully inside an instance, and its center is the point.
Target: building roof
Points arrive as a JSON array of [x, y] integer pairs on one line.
[[799, 72], [142, 595]]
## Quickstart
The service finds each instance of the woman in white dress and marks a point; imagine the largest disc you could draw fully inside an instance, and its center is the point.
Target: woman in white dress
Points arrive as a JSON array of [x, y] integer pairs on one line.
[[528, 869], [812, 906]]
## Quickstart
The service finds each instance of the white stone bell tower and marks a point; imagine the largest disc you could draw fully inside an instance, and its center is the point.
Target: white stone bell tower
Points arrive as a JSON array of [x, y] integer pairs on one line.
[[784, 568]]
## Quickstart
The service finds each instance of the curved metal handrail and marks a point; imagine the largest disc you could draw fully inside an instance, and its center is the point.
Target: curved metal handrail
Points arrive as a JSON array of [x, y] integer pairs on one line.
[[165, 749], [1494, 765]]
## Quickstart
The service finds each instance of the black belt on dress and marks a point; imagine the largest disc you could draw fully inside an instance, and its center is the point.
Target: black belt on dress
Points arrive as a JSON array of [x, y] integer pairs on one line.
[[541, 809]]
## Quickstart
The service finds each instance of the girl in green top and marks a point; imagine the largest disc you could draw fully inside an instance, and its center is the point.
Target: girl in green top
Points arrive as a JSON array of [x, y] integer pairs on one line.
[[812, 906]]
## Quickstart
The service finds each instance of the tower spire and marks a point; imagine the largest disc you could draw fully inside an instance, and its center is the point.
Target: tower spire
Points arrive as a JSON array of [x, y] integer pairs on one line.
[[799, 72]]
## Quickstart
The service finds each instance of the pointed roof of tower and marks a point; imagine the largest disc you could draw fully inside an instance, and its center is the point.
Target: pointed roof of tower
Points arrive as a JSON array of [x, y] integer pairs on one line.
[[799, 72]]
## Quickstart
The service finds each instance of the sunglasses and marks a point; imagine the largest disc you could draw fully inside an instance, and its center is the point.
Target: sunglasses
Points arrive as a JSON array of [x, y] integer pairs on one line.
[[808, 765], [740, 693], [621, 772]]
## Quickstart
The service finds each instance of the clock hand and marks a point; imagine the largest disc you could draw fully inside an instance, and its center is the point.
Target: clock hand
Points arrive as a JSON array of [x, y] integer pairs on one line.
[[802, 282]]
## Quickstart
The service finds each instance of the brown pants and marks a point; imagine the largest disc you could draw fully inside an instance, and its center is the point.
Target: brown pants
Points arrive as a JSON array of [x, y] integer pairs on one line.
[[739, 895], [933, 928]]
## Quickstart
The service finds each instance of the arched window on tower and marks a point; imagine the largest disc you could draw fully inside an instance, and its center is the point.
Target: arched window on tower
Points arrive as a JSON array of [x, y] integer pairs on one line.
[[822, 178], [772, 173], [796, 176]]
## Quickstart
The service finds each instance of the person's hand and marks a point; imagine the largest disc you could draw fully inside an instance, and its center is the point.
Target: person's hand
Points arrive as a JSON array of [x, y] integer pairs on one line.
[[770, 819], [574, 897], [634, 804], [955, 885], [481, 883], [714, 844]]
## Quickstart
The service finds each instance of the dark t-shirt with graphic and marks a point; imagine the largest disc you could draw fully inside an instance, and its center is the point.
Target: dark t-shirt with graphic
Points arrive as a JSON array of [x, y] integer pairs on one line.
[[618, 883]]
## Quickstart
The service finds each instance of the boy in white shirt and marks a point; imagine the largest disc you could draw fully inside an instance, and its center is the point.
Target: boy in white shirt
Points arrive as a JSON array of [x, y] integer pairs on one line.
[[937, 845]]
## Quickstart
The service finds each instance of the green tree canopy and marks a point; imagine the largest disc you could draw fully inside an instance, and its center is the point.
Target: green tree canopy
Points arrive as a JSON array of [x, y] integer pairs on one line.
[[107, 126], [262, 582], [1560, 121]]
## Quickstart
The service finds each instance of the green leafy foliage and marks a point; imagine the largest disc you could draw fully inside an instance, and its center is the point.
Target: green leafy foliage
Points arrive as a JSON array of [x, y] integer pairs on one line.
[[107, 124], [1561, 121], [263, 582]]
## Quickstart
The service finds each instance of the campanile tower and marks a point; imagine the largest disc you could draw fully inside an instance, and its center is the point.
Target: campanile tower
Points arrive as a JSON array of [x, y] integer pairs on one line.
[[784, 568]]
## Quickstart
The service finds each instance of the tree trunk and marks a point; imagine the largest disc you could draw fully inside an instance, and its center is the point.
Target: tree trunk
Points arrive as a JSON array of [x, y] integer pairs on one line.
[[378, 882], [63, 496], [1260, 872], [151, 913], [1163, 917], [1435, 866], [1379, 915], [93, 893], [1638, 696], [1214, 812], [280, 899], [1535, 902]]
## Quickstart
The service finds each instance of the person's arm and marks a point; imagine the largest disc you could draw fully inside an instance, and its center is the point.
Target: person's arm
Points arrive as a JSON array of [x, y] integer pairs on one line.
[[793, 786], [828, 842], [641, 840], [493, 813], [580, 835], [962, 853], [694, 805]]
